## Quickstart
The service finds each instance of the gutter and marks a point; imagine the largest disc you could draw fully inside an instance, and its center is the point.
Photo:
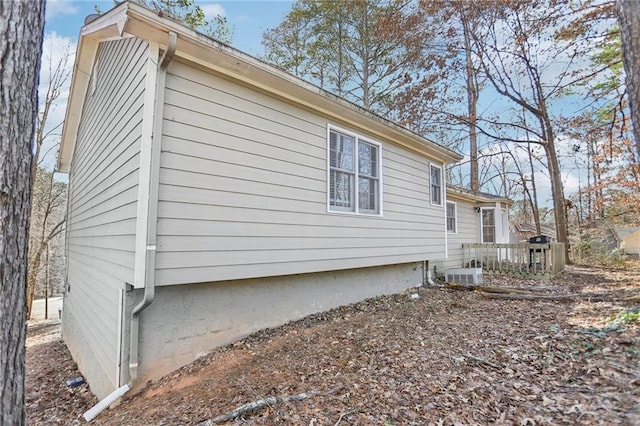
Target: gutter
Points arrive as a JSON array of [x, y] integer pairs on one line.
[[148, 203]]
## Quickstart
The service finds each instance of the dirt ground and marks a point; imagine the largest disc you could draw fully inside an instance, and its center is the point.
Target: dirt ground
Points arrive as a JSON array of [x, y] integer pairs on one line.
[[447, 357]]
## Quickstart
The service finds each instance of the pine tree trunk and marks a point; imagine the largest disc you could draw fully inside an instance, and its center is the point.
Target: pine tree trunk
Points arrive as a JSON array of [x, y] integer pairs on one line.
[[21, 33], [629, 20], [472, 104]]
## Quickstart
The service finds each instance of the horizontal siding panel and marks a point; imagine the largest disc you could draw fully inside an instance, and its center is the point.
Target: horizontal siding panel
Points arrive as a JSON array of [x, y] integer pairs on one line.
[[216, 154], [122, 227], [170, 260], [114, 242], [274, 147], [205, 274], [95, 306], [114, 197], [103, 183], [205, 114], [243, 191], [119, 119], [110, 273], [118, 164], [239, 171], [230, 228], [202, 197], [118, 214], [468, 231], [418, 189], [409, 161], [252, 243], [121, 257], [395, 198], [225, 92], [173, 210], [186, 178], [411, 196]]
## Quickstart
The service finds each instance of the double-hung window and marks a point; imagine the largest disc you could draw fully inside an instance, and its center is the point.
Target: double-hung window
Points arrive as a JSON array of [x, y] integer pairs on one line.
[[354, 174], [451, 218], [488, 226], [436, 185]]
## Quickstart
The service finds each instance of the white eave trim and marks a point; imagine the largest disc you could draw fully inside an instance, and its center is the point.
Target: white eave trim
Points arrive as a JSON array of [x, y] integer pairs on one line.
[[109, 25]]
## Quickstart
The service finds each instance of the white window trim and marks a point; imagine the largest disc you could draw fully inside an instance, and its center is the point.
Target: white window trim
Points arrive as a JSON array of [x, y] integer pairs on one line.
[[357, 138], [482, 209], [442, 200], [455, 216]]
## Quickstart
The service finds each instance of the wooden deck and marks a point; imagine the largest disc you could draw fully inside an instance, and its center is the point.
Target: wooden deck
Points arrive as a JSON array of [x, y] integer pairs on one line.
[[518, 259]]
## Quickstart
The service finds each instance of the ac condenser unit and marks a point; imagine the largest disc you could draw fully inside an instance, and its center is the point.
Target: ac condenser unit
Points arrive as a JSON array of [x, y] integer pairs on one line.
[[463, 275]]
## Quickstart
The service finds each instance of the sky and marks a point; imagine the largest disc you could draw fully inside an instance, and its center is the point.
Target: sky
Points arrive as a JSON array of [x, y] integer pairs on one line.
[[248, 18], [64, 19]]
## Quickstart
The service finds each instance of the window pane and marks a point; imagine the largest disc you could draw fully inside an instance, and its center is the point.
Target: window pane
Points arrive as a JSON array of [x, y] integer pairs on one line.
[[451, 217], [341, 155], [435, 176], [367, 159], [340, 189], [488, 226], [436, 186], [368, 194]]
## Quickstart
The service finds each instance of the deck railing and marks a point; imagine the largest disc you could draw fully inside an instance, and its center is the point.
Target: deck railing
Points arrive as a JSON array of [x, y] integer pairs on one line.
[[519, 259]]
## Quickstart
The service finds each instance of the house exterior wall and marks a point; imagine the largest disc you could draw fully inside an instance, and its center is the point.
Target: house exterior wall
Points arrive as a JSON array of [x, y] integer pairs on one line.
[[468, 231], [243, 191], [631, 243], [187, 321], [101, 223]]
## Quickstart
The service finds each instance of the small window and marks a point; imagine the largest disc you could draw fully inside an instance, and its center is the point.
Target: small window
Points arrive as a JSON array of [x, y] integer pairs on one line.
[[451, 218], [488, 226], [436, 185], [354, 174]]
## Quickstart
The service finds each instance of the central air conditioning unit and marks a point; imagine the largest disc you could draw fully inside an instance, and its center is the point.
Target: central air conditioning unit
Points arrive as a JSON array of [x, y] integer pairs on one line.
[[463, 275]]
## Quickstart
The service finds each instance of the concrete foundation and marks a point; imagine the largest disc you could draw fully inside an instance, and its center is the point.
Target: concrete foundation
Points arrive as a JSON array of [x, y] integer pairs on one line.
[[185, 322]]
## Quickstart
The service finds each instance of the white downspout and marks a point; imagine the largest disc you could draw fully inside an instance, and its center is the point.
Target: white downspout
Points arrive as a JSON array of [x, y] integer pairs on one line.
[[147, 276], [150, 264]]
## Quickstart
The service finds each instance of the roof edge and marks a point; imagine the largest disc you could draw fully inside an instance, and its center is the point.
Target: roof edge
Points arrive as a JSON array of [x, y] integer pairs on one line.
[[136, 20], [476, 197]]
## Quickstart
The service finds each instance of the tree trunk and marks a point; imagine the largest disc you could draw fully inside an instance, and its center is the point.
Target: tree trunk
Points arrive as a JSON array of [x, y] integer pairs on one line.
[[629, 20], [472, 104], [557, 191], [22, 24], [534, 188]]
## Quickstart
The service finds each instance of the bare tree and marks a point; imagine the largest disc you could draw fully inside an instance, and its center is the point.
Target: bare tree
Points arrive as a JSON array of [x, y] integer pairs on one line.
[[519, 64], [47, 196], [22, 24], [628, 12], [47, 222]]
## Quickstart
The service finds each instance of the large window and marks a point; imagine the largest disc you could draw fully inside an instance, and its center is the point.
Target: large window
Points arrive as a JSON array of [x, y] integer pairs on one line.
[[488, 226], [354, 174], [451, 217], [436, 185]]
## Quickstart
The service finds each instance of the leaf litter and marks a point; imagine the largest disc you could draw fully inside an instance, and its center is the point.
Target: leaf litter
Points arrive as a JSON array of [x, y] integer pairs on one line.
[[445, 358]]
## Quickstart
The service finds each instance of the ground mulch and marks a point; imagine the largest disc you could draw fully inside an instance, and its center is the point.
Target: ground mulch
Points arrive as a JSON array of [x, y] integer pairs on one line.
[[444, 357]]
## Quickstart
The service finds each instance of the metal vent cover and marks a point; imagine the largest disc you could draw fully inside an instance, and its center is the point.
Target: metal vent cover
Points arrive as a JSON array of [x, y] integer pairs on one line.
[[463, 275]]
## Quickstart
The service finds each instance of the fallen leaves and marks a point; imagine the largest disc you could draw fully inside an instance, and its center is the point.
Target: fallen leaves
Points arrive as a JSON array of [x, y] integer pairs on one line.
[[447, 357]]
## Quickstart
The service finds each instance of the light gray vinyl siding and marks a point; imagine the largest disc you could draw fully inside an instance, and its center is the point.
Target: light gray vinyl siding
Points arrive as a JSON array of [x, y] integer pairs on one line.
[[103, 199], [243, 191], [468, 231]]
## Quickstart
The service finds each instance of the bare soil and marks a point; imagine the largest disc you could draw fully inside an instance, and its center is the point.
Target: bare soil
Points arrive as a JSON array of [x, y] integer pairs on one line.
[[447, 357]]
